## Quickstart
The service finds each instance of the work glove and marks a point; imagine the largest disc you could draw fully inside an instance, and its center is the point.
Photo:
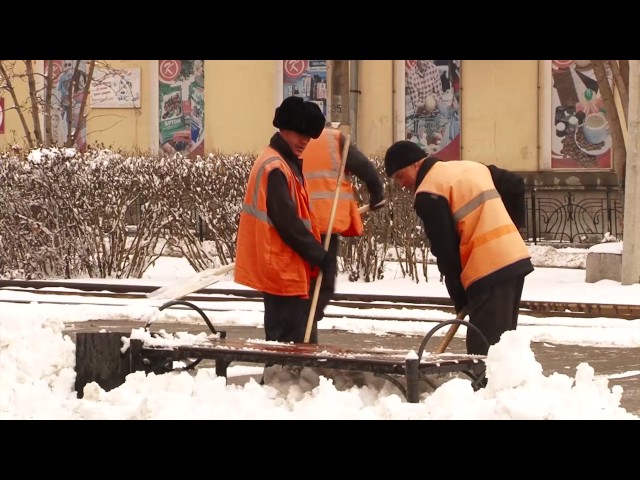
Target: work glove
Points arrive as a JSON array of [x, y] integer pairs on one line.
[[377, 203], [322, 266], [325, 263]]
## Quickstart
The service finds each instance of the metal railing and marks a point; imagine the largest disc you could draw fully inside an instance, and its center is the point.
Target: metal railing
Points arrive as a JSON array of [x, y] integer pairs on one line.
[[573, 217], [553, 217]]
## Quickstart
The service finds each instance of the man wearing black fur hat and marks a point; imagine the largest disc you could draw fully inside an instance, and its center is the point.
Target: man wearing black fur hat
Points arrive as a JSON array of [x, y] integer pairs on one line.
[[478, 248], [277, 246]]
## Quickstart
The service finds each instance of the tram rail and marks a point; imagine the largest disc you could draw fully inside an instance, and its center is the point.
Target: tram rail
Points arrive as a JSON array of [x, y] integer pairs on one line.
[[94, 291]]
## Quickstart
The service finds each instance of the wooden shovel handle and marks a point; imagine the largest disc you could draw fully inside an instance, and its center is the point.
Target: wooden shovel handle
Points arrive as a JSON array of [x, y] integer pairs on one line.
[[327, 240], [446, 340]]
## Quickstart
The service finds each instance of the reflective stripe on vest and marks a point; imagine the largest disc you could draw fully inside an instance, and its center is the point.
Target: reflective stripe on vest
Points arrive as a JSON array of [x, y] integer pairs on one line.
[[474, 203], [252, 208], [263, 260], [321, 166], [489, 240]]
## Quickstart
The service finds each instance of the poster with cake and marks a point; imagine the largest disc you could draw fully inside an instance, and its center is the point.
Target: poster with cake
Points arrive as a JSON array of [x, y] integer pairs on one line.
[[580, 137]]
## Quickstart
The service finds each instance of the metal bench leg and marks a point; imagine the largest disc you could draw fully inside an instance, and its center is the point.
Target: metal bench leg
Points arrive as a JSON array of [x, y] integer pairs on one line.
[[412, 377], [221, 368]]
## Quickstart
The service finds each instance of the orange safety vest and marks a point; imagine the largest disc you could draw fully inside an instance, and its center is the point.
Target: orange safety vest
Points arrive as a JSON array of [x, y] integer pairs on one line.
[[321, 166], [263, 261], [489, 240]]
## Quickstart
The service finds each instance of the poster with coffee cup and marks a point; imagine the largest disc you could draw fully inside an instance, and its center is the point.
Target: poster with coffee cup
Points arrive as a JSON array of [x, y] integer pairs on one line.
[[580, 137], [595, 128]]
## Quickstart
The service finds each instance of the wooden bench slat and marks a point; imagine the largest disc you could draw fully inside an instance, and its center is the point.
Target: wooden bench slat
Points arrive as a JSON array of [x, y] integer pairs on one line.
[[103, 361], [310, 350]]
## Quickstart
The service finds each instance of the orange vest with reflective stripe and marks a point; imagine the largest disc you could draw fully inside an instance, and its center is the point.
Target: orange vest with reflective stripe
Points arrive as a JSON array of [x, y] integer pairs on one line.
[[489, 240], [321, 165], [263, 261]]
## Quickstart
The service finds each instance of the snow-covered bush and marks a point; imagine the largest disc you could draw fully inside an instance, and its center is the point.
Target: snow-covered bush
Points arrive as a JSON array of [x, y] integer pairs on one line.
[[395, 226], [66, 214], [105, 213]]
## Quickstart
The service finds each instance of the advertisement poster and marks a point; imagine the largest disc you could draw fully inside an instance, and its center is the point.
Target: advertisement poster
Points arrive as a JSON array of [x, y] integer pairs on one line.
[[116, 88], [181, 97], [306, 79], [580, 137], [1, 115], [432, 106], [68, 92]]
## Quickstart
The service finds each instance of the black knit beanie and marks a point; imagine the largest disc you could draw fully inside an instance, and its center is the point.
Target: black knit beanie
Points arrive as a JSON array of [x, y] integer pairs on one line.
[[402, 154], [302, 117]]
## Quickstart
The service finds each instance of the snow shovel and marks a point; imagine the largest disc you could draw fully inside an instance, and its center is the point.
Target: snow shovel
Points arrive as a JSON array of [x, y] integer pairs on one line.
[[327, 240], [446, 340], [201, 280], [366, 208], [185, 286]]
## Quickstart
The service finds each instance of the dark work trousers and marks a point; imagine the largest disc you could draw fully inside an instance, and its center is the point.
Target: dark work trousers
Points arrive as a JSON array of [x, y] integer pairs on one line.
[[285, 318], [494, 312], [327, 287]]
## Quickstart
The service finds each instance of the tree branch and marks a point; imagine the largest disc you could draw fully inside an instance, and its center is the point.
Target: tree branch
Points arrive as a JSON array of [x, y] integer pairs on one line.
[[85, 97], [619, 150], [35, 109], [622, 88], [12, 92]]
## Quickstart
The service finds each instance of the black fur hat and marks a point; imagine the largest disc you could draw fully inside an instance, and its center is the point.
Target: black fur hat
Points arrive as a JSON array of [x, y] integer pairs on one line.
[[402, 154], [302, 117]]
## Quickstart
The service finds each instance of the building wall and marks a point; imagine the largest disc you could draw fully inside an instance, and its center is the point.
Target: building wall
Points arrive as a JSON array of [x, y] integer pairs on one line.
[[117, 127], [499, 109], [505, 119], [240, 99], [125, 127], [13, 131], [375, 106]]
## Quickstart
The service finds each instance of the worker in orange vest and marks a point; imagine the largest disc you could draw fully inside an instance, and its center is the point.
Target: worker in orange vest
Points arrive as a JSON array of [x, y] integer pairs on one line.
[[277, 245], [321, 167], [477, 245]]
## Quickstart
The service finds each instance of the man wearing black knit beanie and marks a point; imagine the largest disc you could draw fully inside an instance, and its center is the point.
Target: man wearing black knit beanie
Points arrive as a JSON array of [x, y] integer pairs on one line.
[[478, 248]]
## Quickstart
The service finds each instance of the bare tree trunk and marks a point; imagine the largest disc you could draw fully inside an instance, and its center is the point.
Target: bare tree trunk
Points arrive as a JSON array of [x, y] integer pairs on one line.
[[71, 132], [47, 105], [12, 92], [85, 96], [624, 71], [44, 102], [622, 87], [35, 108], [620, 152]]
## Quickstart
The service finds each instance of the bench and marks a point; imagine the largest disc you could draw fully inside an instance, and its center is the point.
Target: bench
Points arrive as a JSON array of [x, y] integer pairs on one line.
[[99, 358]]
